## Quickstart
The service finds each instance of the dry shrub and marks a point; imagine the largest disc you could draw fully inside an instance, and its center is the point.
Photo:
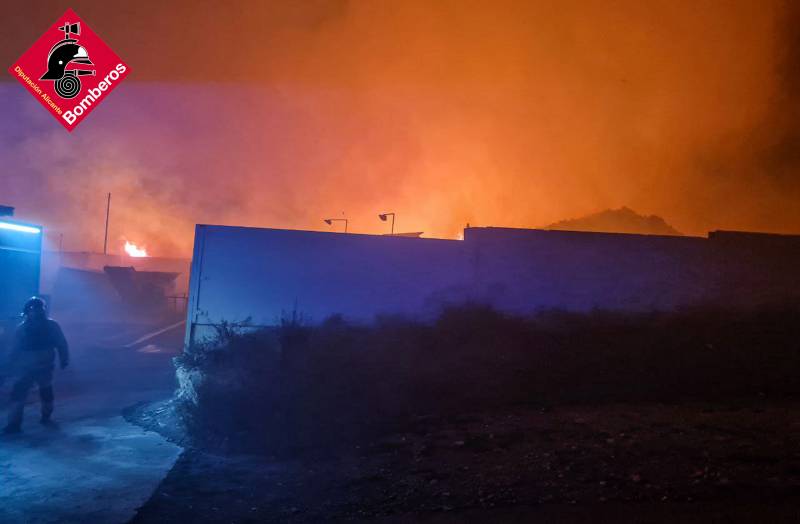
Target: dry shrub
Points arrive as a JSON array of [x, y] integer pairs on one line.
[[300, 388]]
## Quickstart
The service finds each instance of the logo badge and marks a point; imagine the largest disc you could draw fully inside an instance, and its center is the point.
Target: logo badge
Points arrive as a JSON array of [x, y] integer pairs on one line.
[[69, 70]]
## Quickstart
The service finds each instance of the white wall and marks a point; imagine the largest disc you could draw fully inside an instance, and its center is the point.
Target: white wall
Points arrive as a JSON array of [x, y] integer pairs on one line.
[[261, 274]]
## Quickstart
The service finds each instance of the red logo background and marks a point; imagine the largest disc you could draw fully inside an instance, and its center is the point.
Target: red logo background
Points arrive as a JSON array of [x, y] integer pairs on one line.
[[33, 63]]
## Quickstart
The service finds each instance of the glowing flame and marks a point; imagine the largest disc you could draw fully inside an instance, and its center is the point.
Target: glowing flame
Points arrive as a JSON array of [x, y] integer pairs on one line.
[[135, 251]]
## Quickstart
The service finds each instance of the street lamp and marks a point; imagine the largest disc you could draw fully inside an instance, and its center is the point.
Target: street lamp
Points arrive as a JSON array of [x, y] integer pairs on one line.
[[383, 217], [330, 221]]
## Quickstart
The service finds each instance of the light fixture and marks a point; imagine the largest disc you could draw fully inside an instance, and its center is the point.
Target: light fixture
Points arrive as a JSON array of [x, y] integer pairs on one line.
[[20, 228], [385, 216], [330, 221]]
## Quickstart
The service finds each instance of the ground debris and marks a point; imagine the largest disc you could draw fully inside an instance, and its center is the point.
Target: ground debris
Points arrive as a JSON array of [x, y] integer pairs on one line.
[[504, 460]]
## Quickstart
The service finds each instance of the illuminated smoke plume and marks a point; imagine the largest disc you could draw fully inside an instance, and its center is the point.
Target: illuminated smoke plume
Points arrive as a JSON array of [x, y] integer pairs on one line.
[[511, 113]]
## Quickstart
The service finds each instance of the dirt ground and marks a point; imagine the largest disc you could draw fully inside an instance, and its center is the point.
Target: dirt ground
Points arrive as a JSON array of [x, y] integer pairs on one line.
[[738, 462]]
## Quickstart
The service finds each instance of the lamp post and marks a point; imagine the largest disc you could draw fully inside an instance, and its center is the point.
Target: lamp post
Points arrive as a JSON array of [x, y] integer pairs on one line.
[[330, 221], [384, 216]]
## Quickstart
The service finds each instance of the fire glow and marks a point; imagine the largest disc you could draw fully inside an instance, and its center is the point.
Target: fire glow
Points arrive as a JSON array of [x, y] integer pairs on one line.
[[135, 251]]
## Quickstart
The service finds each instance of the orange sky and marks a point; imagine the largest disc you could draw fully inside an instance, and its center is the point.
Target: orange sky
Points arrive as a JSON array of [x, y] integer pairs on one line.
[[503, 113]]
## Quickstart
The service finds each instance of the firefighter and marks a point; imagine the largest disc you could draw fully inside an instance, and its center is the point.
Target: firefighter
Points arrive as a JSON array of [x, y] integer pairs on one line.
[[36, 341]]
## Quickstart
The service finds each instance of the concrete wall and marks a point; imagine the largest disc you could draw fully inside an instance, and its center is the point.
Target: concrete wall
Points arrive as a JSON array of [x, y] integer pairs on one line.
[[753, 268], [522, 270], [260, 275], [264, 274]]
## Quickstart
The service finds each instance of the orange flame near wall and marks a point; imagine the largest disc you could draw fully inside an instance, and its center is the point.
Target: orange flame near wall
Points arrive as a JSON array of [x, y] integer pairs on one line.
[[135, 251]]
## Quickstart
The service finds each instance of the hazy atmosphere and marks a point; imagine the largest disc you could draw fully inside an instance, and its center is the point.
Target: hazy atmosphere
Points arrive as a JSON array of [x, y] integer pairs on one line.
[[511, 114], [400, 262]]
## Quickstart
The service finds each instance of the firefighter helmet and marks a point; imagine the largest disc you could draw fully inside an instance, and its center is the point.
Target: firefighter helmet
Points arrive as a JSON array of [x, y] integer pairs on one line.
[[34, 304], [63, 53]]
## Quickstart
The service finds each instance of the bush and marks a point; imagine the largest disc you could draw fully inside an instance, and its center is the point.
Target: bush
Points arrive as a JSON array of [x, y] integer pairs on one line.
[[299, 388]]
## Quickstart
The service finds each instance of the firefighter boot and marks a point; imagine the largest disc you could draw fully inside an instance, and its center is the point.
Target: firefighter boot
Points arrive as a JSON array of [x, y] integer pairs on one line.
[[46, 397]]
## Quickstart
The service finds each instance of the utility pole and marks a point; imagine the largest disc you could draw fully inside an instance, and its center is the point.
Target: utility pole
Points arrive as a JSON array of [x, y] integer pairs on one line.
[[105, 237]]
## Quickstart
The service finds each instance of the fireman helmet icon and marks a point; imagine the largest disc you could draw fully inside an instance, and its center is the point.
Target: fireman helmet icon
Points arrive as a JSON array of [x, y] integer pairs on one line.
[[63, 53]]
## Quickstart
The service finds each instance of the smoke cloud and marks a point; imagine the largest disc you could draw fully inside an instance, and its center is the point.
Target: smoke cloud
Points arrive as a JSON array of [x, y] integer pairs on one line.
[[504, 113]]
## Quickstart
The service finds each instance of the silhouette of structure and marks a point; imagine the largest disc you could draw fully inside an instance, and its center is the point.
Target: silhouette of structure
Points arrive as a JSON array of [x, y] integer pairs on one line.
[[257, 275]]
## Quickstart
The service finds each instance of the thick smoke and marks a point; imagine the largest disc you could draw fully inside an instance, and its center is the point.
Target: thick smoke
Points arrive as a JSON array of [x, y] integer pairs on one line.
[[513, 113]]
